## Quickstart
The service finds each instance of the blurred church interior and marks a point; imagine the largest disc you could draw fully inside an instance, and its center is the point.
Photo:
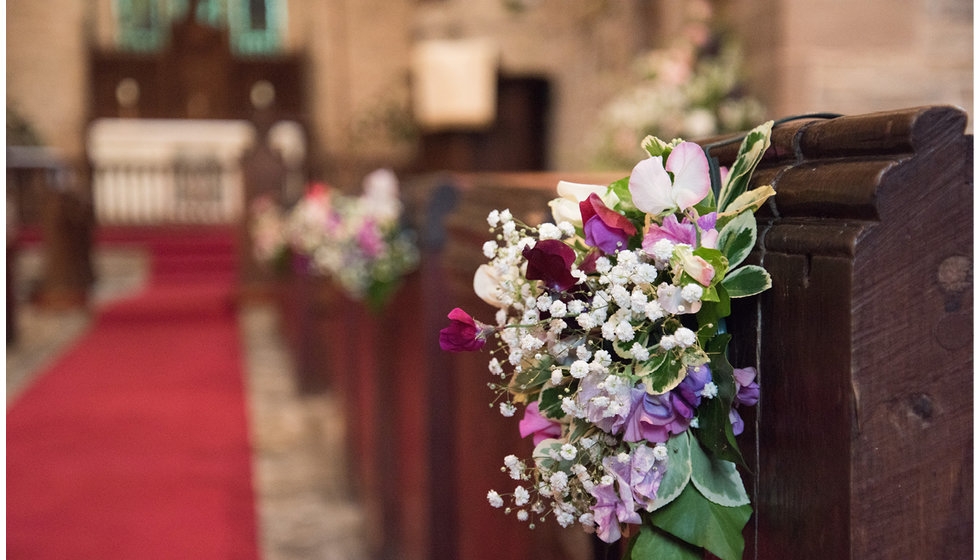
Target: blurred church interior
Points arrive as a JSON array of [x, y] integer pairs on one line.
[[140, 133]]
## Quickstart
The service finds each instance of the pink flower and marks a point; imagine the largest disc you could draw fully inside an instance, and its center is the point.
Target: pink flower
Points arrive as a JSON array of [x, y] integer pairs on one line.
[[654, 192], [463, 334], [538, 426], [604, 228]]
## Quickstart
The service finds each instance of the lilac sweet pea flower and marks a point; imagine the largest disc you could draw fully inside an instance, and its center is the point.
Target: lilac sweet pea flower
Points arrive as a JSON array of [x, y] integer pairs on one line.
[[463, 333], [551, 261], [614, 504], [747, 394], [654, 192], [604, 228], [642, 474], [540, 427], [686, 397]]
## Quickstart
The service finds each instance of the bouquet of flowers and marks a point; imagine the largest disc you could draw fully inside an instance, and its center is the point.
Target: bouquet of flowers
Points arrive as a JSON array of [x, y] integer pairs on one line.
[[610, 335], [357, 242]]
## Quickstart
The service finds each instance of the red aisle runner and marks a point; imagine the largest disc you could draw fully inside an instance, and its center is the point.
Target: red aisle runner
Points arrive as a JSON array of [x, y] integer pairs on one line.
[[134, 445]]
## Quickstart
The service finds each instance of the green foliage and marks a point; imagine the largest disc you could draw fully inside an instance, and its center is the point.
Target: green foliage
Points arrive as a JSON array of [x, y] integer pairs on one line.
[[715, 430], [652, 543], [748, 280], [754, 145], [717, 479], [665, 373], [701, 522], [678, 469], [737, 238], [549, 404]]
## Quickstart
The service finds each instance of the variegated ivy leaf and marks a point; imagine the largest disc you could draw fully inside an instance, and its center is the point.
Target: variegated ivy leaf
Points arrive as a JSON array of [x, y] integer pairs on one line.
[[678, 470], [716, 479], [737, 238], [657, 147], [754, 145], [748, 280], [749, 201], [666, 376]]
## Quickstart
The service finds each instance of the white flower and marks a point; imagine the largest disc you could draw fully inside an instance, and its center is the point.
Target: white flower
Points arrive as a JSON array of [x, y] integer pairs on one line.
[[576, 306], [564, 519], [521, 496], [510, 461], [507, 409], [586, 321], [505, 215], [567, 452], [624, 331], [522, 515], [660, 452], [567, 229], [602, 265], [685, 337], [495, 367], [646, 273], [602, 357], [710, 390], [549, 231], [579, 369], [556, 376], [566, 207], [694, 423], [486, 284], [531, 342], [667, 342], [653, 311], [606, 480], [662, 250], [639, 352], [559, 482], [493, 218], [543, 302], [558, 309], [609, 330], [490, 249], [587, 519], [692, 293], [494, 498], [582, 352]]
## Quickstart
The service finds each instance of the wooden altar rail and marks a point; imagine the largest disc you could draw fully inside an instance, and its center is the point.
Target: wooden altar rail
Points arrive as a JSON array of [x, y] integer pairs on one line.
[[861, 445]]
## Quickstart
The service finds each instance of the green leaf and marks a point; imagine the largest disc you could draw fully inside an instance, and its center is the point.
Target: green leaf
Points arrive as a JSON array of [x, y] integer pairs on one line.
[[646, 368], [715, 429], [748, 280], [666, 376], [699, 521], [678, 470], [621, 189], [754, 145], [737, 238], [712, 312], [550, 403], [717, 479], [652, 543]]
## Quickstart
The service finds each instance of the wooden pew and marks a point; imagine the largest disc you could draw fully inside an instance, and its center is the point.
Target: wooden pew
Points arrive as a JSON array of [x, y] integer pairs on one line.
[[864, 437]]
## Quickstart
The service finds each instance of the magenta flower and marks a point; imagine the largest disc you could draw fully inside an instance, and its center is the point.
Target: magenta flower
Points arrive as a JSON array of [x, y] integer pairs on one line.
[[369, 239], [463, 333], [538, 426], [604, 228], [551, 261], [683, 232]]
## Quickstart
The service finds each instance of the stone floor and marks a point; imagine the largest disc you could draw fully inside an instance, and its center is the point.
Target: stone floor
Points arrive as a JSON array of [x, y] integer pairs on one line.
[[305, 510]]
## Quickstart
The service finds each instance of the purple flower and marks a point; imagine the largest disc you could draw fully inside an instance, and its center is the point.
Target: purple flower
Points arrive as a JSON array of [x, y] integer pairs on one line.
[[747, 394], [686, 397], [463, 334], [369, 239], [653, 418], [551, 261], [538, 426], [612, 415], [683, 232], [604, 228]]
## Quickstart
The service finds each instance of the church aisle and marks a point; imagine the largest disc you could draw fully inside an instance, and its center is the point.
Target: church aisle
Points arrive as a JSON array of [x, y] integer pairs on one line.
[[272, 478]]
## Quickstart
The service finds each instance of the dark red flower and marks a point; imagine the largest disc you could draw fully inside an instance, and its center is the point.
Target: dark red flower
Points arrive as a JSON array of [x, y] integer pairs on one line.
[[462, 334], [551, 261], [604, 228]]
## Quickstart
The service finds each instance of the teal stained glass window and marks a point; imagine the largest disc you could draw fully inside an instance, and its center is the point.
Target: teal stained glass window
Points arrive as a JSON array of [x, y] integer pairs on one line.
[[255, 26]]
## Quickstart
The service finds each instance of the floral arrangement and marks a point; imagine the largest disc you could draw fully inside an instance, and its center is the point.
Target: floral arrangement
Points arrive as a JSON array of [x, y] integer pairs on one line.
[[610, 335], [691, 88], [358, 242]]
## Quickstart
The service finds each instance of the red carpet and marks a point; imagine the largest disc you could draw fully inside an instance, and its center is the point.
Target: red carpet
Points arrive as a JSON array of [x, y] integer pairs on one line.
[[134, 444]]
